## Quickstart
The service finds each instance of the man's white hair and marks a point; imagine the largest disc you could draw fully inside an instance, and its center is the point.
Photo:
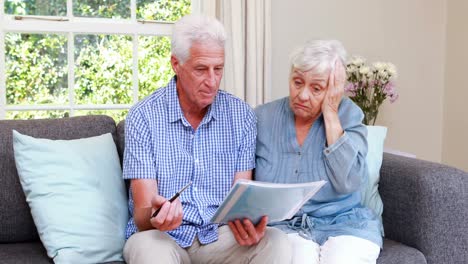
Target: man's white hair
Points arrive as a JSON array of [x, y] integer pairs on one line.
[[195, 28], [319, 55]]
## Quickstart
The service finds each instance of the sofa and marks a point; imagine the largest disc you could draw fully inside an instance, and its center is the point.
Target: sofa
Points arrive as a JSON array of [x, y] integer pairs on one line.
[[425, 203]]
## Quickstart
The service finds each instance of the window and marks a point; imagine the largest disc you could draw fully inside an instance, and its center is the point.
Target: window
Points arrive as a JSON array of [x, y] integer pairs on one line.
[[75, 57]]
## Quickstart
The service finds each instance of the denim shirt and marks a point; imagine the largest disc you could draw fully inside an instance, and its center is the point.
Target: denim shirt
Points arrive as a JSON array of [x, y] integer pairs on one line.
[[335, 209]]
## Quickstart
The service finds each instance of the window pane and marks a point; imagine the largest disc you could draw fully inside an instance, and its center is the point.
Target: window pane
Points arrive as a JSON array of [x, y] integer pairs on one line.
[[163, 10], [36, 69], [102, 8], [103, 73], [118, 115], [36, 114], [154, 64], [36, 7]]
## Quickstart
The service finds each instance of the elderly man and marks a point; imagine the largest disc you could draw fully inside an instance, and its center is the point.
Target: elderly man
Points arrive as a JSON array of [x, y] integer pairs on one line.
[[189, 131]]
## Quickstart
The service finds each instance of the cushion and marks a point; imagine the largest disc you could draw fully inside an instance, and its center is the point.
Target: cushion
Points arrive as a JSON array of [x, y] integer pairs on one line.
[[370, 196], [16, 221], [76, 194]]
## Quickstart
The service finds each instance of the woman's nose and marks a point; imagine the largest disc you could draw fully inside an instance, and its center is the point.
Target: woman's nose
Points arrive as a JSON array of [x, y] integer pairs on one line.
[[304, 94]]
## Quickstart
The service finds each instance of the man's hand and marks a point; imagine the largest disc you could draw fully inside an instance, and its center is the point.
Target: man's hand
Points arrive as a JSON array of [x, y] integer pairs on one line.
[[169, 216], [246, 233]]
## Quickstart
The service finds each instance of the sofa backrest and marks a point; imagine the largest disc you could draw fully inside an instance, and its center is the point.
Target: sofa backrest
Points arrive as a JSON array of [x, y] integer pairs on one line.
[[16, 223], [121, 139]]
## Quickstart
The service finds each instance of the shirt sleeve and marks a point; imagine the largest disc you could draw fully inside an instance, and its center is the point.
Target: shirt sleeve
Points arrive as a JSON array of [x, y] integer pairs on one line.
[[345, 160], [138, 161], [246, 157]]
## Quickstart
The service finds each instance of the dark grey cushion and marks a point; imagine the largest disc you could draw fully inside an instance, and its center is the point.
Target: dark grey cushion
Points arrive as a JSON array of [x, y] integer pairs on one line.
[[121, 138], [28, 253], [426, 207], [397, 253], [23, 253], [16, 224]]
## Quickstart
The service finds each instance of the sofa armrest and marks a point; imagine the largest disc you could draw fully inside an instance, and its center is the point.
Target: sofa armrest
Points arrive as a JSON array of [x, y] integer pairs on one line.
[[426, 207]]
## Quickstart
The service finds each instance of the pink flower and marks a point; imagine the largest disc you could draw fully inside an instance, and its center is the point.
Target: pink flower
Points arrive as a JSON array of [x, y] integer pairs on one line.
[[393, 97], [350, 89], [389, 88]]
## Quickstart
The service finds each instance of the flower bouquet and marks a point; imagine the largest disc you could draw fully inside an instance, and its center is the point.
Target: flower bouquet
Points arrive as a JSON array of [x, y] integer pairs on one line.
[[369, 86]]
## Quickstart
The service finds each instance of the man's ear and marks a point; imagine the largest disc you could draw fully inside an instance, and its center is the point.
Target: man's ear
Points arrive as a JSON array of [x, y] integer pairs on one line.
[[175, 64]]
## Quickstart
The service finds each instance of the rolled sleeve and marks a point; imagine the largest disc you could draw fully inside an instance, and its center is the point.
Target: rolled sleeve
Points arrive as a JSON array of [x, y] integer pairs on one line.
[[345, 164], [340, 154], [246, 157], [138, 157]]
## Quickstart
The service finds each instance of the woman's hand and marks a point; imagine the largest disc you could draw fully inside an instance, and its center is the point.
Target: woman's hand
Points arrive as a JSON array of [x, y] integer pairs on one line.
[[335, 89], [246, 233], [169, 216], [331, 102]]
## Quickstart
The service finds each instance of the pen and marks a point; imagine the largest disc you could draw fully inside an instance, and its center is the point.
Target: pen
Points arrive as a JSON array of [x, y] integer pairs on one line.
[[172, 198]]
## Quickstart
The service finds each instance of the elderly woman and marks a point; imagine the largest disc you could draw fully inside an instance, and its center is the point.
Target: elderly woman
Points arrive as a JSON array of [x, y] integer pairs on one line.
[[317, 134]]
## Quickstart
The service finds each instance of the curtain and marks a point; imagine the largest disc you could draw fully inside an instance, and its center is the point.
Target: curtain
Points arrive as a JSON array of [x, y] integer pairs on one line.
[[247, 72]]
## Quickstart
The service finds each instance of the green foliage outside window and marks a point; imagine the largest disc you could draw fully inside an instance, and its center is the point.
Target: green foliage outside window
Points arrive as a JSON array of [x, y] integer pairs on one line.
[[37, 64], [36, 7]]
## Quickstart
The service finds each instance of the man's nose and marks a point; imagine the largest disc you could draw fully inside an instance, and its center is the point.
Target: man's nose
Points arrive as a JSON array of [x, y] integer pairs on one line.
[[211, 78]]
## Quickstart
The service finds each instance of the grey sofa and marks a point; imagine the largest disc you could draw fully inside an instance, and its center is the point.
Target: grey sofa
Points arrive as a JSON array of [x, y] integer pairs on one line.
[[425, 204]]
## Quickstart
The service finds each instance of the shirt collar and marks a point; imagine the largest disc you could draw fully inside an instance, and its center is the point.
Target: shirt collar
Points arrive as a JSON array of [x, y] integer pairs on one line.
[[175, 111]]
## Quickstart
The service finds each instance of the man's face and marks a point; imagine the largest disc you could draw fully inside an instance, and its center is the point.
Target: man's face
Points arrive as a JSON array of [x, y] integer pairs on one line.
[[199, 77]]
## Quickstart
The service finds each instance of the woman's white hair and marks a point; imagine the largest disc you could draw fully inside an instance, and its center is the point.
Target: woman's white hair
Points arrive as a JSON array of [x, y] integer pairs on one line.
[[195, 28], [318, 55]]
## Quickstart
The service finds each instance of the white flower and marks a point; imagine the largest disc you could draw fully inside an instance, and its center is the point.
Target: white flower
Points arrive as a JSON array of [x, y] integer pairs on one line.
[[358, 61], [364, 70], [383, 74], [378, 66], [392, 69], [350, 68]]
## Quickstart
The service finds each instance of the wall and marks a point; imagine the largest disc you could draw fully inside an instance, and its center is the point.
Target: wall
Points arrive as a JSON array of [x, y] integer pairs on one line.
[[455, 147], [411, 34]]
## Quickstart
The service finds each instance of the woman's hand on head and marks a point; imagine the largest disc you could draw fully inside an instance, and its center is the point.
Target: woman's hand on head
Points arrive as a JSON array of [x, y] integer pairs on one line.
[[335, 89]]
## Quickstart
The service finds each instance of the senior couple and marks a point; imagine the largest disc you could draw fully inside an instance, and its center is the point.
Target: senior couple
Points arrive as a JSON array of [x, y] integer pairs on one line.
[[190, 131]]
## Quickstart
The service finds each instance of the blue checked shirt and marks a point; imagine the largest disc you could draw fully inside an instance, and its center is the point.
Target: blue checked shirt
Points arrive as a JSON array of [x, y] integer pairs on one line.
[[160, 144]]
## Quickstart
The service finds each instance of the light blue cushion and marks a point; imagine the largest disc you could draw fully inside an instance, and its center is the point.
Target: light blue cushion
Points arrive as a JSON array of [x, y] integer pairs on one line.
[[76, 194], [370, 193]]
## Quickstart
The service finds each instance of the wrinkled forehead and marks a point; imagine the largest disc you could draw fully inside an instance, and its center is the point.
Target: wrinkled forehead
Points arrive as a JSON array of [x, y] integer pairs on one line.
[[310, 75], [207, 44]]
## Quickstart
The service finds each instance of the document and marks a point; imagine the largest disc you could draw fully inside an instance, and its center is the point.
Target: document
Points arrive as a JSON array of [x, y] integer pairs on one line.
[[254, 199]]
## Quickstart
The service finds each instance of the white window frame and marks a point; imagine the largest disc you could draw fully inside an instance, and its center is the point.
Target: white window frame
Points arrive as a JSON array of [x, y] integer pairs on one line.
[[70, 26]]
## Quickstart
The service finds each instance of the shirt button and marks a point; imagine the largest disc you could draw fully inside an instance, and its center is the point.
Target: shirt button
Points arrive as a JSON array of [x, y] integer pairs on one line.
[[192, 136], [327, 151], [299, 153], [296, 171]]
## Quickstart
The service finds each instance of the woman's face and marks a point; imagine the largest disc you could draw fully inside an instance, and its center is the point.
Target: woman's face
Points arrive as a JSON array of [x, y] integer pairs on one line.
[[307, 91]]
